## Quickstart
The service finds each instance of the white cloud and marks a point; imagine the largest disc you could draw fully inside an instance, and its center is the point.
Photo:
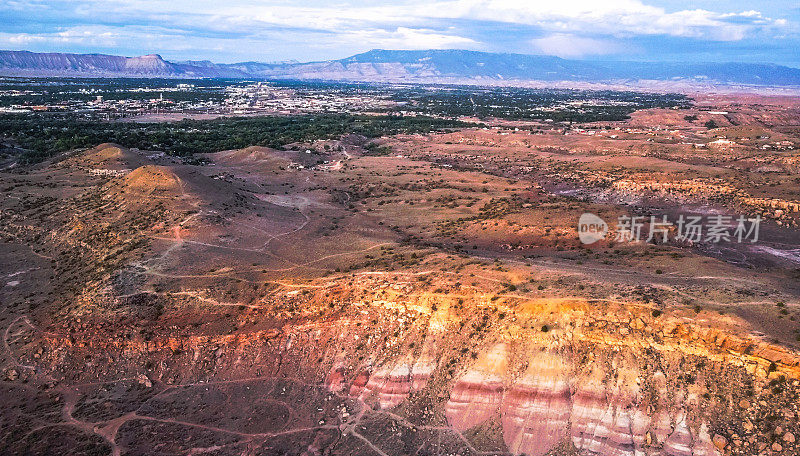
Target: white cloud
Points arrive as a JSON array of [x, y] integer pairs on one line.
[[570, 27], [408, 38], [567, 46], [78, 36], [613, 17]]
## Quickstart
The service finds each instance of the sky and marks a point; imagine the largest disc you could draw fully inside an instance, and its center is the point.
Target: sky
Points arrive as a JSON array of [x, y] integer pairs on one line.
[[249, 30]]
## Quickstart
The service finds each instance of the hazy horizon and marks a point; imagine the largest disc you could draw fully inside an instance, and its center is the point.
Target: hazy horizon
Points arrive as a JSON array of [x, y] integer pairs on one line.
[[621, 60]]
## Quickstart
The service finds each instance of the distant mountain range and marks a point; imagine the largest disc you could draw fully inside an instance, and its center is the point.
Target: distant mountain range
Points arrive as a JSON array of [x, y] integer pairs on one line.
[[24, 63], [431, 66]]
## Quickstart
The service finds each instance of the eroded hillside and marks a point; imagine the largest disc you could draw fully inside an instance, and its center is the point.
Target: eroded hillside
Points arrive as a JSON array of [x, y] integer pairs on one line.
[[425, 296]]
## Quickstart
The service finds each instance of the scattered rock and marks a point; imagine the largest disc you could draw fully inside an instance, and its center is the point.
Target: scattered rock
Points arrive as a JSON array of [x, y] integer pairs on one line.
[[719, 441], [143, 380], [12, 374]]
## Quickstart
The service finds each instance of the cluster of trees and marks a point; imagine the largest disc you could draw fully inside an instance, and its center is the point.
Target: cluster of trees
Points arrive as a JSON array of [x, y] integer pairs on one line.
[[44, 135], [523, 103]]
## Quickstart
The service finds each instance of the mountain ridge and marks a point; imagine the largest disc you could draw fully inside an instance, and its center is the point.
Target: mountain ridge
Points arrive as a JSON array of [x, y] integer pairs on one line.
[[421, 66]]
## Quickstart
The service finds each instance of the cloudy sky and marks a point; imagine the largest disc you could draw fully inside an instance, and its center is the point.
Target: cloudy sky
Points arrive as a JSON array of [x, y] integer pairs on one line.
[[240, 30]]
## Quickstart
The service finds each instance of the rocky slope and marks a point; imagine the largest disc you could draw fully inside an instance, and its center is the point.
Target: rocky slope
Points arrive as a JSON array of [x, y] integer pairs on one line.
[[690, 389], [252, 307]]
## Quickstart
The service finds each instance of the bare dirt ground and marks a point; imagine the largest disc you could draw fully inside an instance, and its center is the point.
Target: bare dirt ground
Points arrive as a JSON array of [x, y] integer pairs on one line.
[[434, 299]]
